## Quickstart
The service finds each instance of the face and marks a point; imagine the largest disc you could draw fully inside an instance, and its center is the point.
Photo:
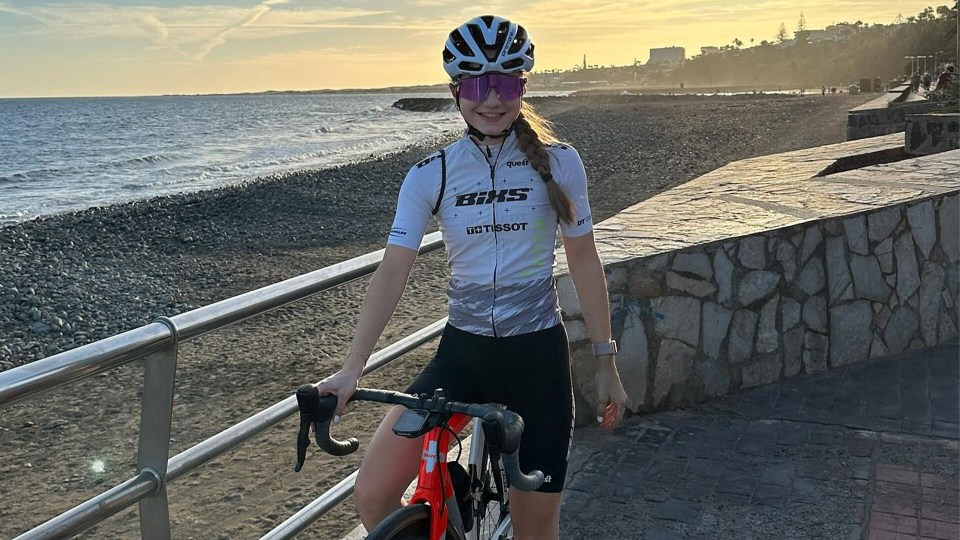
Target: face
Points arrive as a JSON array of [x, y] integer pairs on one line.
[[492, 115]]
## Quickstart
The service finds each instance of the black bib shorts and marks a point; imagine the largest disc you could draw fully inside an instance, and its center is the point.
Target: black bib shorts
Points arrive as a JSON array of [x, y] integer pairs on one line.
[[529, 373]]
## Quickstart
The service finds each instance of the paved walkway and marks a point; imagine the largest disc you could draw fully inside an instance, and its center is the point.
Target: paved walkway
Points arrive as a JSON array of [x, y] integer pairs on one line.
[[869, 451]]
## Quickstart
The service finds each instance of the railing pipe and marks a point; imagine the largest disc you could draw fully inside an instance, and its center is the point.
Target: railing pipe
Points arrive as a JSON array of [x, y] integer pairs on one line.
[[233, 310], [95, 510], [313, 511], [26, 381], [235, 435]]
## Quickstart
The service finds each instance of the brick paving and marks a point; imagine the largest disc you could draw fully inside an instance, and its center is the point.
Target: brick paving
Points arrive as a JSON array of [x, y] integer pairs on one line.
[[868, 451]]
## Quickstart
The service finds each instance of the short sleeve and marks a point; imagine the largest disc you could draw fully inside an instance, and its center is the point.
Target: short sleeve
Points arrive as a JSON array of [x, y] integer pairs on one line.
[[573, 179], [414, 207]]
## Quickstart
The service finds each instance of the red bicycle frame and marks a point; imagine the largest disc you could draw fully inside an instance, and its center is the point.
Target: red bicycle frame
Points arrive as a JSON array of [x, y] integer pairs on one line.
[[434, 486]]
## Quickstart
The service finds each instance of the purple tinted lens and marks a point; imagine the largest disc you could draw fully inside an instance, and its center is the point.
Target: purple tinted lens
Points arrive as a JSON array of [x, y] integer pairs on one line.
[[476, 88]]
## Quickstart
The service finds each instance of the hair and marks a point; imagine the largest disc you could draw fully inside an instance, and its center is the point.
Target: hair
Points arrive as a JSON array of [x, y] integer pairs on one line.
[[534, 132]]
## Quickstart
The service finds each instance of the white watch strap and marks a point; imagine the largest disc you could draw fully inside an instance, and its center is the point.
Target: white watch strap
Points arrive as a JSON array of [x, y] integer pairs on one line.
[[605, 349]]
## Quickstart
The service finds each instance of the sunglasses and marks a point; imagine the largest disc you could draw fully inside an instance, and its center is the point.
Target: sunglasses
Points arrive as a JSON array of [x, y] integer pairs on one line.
[[476, 88]]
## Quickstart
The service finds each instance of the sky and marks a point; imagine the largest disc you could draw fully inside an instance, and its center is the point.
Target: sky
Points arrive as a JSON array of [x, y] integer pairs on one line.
[[151, 47]]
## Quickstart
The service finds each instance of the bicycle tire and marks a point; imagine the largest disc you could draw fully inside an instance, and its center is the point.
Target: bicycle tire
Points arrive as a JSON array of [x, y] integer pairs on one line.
[[493, 508], [412, 522]]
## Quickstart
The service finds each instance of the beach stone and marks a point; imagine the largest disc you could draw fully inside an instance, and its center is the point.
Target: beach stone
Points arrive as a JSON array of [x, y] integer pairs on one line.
[[949, 234], [674, 361], [752, 254], [908, 278], [884, 253], [716, 321], [883, 222], [723, 267], [900, 329], [931, 285], [643, 284], [633, 359], [855, 229], [681, 318], [850, 333], [740, 343], [792, 352], [812, 239], [757, 284], [838, 275], [715, 380], [867, 278], [923, 225], [693, 263], [812, 280], [764, 371], [789, 313], [693, 287], [815, 348]]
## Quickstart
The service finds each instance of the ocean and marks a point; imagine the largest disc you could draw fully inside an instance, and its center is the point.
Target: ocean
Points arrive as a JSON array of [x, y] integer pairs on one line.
[[66, 154]]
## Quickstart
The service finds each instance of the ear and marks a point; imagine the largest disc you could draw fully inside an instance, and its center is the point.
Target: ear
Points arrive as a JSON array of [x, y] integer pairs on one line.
[[454, 90]]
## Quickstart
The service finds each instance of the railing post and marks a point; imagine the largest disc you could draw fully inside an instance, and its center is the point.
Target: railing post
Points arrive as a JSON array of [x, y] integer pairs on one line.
[[159, 375]]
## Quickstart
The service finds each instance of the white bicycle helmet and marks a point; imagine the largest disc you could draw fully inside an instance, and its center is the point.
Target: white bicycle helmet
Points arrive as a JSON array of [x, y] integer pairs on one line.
[[487, 43]]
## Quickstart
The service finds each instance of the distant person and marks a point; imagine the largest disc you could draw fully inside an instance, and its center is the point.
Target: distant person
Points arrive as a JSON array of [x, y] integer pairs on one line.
[[926, 81], [915, 81], [823, 90], [946, 78], [504, 341]]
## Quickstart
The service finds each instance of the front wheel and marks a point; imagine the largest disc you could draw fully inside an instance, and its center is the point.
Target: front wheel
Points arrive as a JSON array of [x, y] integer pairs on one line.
[[412, 522]]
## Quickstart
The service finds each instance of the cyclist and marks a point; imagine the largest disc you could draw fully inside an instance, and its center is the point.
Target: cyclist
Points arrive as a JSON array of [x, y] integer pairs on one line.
[[499, 195]]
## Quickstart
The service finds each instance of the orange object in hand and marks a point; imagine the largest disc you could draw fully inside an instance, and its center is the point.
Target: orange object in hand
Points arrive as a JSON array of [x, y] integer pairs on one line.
[[610, 416]]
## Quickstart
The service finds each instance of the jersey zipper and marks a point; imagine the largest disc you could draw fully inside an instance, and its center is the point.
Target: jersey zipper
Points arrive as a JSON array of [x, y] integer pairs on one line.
[[496, 240]]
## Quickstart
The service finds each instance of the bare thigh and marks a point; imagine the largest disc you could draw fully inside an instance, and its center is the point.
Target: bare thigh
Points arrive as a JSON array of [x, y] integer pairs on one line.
[[389, 465], [535, 515]]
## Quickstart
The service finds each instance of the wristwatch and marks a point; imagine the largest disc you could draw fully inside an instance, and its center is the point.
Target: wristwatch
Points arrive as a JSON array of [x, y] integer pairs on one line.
[[606, 348]]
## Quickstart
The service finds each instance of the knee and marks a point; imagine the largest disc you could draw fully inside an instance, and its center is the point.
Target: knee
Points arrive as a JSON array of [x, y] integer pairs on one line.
[[368, 495]]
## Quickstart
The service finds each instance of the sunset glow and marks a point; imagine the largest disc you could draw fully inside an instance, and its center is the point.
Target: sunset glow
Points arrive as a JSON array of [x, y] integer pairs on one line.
[[121, 47]]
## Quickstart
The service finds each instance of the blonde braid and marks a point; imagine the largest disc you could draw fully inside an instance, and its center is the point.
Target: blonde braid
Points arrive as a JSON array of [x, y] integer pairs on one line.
[[533, 133]]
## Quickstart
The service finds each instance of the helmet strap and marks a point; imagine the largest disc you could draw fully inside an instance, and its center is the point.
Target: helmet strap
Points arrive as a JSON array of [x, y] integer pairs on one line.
[[481, 135]]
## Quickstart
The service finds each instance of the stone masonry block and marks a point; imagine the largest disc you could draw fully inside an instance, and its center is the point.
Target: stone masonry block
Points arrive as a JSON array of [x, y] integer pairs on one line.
[[855, 229], [644, 284], [883, 222], [923, 225], [929, 301], [950, 227], [752, 254], [850, 333], [812, 279], [697, 264], [867, 279], [768, 339], [674, 362], [723, 269], [908, 277], [815, 313], [757, 285], [838, 274], [716, 321], [681, 318], [567, 294], [633, 359], [811, 241], [900, 329], [740, 344]]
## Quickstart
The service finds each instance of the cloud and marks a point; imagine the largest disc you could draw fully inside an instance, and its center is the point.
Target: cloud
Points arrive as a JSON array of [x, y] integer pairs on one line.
[[192, 32]]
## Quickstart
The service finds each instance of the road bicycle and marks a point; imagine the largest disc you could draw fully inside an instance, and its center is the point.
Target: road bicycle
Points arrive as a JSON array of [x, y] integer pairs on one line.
[[449, 502]]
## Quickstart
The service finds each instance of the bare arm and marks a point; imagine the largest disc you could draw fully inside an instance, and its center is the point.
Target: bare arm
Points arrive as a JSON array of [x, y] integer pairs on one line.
[[587, 273], [381, 300]]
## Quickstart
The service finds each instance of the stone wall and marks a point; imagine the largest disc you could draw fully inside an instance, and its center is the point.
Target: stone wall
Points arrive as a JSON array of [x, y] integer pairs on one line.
[[932, 133], [710, 319], [886, 114]]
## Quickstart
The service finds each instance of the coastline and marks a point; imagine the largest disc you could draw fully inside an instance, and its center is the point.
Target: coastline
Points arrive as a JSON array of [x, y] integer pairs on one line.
[[110, 269]]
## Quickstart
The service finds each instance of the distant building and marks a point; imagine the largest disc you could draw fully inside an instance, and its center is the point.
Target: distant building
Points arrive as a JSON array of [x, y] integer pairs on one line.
[[834, 32], [667, 56], [710, 49]]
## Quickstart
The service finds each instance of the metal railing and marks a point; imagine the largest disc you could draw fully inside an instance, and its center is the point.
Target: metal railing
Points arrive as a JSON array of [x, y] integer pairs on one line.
[[158, 344]]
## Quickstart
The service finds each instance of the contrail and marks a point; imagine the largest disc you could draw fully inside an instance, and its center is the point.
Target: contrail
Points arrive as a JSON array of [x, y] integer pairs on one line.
[[251, 18]]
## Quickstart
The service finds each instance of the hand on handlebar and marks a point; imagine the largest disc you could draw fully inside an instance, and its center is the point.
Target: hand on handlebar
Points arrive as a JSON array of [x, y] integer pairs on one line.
[[342, 384]]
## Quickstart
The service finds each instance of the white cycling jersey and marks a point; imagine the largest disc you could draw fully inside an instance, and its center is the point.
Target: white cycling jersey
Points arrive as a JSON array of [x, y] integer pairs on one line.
[[499, 230]]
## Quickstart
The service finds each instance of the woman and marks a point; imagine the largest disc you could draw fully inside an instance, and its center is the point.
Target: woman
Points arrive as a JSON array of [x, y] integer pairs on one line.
[[499, 194]]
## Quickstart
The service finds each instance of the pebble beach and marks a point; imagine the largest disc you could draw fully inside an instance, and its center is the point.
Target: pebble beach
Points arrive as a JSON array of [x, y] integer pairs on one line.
[[71, 279]]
